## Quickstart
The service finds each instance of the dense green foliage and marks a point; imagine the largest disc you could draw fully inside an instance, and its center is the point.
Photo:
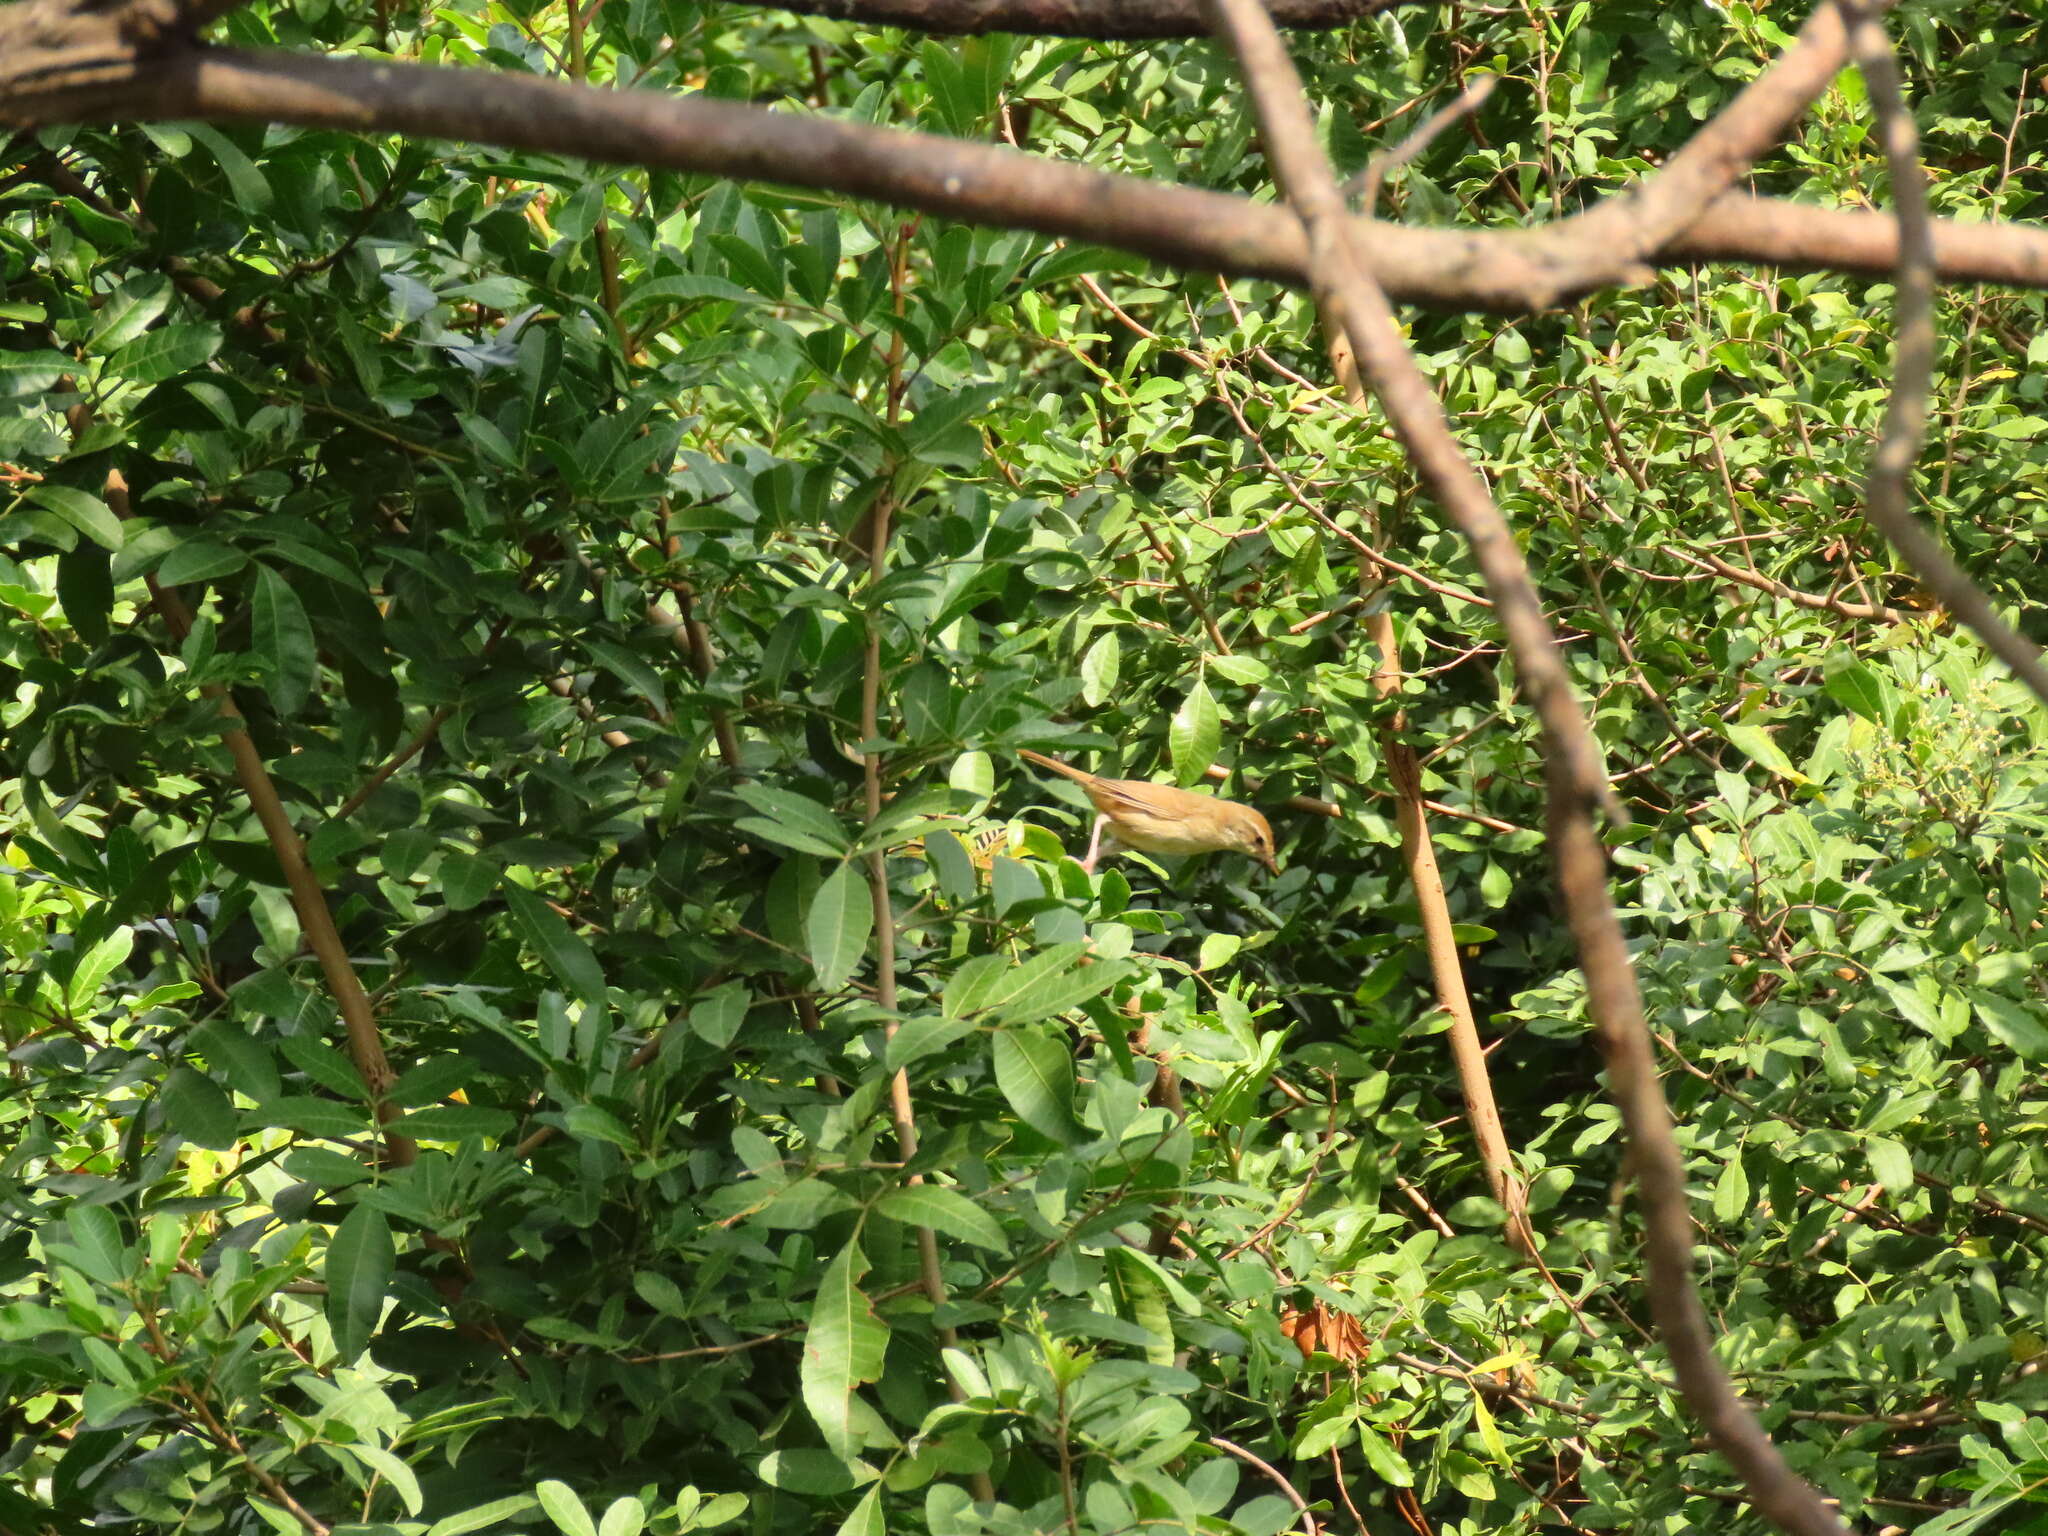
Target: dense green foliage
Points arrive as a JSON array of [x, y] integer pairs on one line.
[[422, 431]]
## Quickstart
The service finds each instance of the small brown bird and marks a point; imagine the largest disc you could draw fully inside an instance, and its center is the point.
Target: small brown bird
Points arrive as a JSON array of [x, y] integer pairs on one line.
[[1157, 818]]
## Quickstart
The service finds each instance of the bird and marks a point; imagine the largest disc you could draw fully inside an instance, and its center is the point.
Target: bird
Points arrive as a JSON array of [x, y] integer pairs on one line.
[[1158, 818]]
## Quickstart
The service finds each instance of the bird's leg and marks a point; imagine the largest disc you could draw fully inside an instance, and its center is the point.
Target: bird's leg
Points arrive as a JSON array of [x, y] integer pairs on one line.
[[1094, 843]]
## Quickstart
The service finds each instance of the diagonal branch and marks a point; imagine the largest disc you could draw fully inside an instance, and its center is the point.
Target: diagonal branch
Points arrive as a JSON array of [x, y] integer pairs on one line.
[[316, 918], [1349, 297]]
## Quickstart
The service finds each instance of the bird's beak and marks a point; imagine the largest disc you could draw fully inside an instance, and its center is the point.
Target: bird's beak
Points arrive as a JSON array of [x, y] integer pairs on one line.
[[1272, 865]]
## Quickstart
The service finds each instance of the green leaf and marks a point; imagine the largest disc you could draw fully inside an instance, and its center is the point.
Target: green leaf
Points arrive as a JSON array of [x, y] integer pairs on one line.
[[973, 987], [1921, 1005], [1489, 1431], [481, 1517], [807, 1470], [843, 1349], [814, 259], [249, 1067], [626, 1516], [587, 1122], [793, 821], [198, 1110], [251, 189], [1862, 690], [1101, 664], [1319, 1437], [315, 1117], [431, 1081], [632, 671], [1049, 983], [660, 1292], [1731, 1191], [1141, 1297], [943, 433], [325, 1167], [1036, 1074], [951, 866], [1243, 670], [1057, 978], [922, 1035], [801, 1204], [974, 775], [1755, 743], [323, 1063], [391, 1469], [572, 961], [164, 353], [1385, 1461], [1194, 735], [841, 918], [455, 1122], [681, 292], [865, 1519], [943, 1210], [31, 372], [2020, 1028], [95, 966], [717, 1017], [88, 514], [558, 1501], [360, 1261], [129, 311], [1891, 1162], [196, 560], [283, 637], [908, 817], [97, 1248], [465, 879]]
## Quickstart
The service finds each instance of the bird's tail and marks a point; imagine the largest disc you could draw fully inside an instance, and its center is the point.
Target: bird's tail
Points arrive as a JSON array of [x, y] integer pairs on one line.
[[1078, 775]]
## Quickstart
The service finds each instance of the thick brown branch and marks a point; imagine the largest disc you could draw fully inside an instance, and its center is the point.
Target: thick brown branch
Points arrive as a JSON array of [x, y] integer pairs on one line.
[[1504, 270], [1769, 231]]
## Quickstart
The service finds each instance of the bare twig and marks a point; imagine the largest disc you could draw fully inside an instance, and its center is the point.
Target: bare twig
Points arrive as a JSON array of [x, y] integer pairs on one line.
[[1705, 560], [1366, 184]]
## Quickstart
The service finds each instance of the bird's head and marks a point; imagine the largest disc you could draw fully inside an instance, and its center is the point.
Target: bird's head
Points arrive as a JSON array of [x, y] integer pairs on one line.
[[1250, 833]]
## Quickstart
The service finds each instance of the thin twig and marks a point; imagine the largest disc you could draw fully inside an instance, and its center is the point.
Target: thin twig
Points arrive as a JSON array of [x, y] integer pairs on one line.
[[1308, 1519], [1366, 184]]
